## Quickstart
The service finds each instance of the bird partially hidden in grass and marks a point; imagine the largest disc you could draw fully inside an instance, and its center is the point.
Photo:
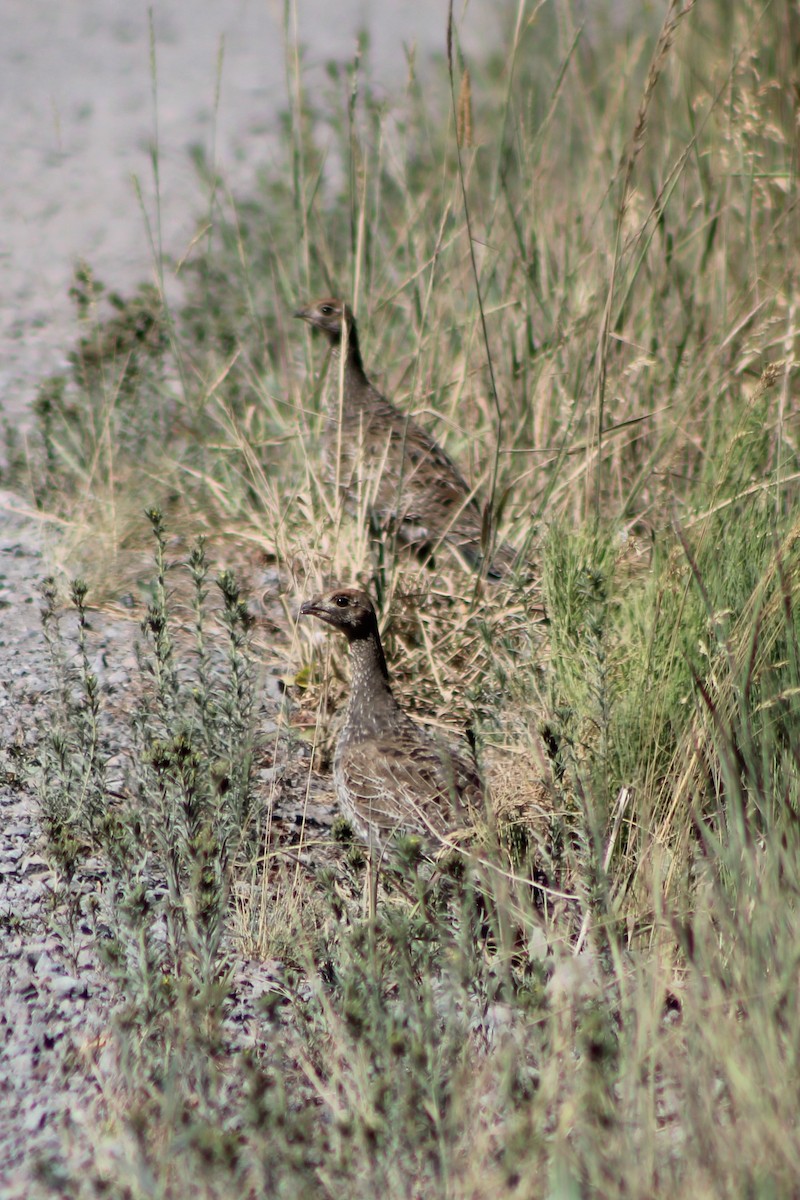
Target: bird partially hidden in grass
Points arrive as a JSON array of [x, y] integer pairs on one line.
[[410, 484], [391, 776]]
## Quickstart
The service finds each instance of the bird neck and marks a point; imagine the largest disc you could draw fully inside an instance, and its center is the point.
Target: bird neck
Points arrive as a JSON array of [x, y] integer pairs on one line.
[[368, 658], [353, 365], [370, 691]]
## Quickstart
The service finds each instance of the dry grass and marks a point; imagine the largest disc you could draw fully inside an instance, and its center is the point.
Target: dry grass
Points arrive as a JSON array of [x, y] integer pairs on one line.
[[603, 1005]]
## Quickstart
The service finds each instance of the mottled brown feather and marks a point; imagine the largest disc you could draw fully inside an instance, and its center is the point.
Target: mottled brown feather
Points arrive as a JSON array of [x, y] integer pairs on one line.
[[411, 484], [391, 776]]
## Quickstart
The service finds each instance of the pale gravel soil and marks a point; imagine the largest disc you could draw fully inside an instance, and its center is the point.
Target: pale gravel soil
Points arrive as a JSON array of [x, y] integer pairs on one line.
[[55, 1000], [59, 1084]]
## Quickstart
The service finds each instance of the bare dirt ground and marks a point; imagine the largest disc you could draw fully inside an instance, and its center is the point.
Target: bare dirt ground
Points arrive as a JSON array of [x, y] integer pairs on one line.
[[82, 110]]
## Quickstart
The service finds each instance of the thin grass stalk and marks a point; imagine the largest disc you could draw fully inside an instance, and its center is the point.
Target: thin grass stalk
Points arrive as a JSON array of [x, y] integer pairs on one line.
[[674, 15], [490, 533]]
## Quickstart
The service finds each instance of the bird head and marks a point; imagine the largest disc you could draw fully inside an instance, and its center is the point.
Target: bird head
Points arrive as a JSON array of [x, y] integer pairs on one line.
[[346, 609], [330, 315]]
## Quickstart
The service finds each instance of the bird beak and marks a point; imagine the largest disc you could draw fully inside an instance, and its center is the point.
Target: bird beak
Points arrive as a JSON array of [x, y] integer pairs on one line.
[[302, 313], [318, 607], [311, 608]]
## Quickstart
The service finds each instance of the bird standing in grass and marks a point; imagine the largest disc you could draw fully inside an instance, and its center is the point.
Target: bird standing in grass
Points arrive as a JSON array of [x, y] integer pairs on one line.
[[391, 776], [409, 483]]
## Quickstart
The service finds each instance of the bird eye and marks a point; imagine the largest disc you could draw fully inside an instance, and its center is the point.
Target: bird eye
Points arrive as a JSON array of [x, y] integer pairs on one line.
[[326, 309], [342, 601]]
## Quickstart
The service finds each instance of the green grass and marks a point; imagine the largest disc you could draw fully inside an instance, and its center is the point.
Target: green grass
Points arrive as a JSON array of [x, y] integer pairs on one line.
[[603, 1001]]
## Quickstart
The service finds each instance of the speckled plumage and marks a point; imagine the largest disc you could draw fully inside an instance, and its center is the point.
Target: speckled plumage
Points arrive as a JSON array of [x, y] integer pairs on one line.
[[409, 481], [390, 775]]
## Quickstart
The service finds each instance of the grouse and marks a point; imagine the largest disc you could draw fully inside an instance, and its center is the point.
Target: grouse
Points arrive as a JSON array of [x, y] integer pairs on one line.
[[390, 775], [410, 483]]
